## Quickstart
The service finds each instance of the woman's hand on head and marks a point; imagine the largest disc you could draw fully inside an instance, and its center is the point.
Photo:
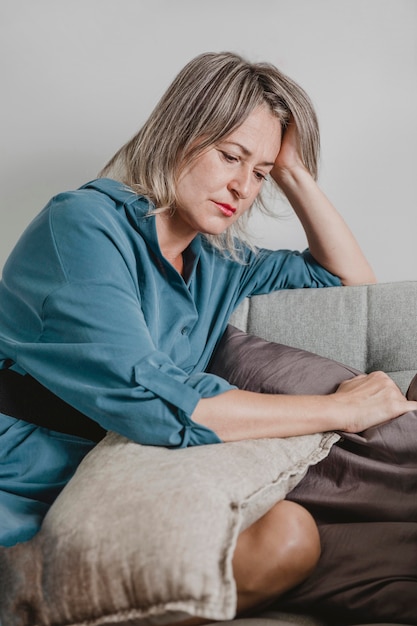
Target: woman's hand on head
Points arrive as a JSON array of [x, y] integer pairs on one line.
[[289, 156], [329, 238]]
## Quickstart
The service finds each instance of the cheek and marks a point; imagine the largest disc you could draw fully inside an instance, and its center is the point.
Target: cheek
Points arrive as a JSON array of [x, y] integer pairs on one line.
[[186, 189], [206, 177], [247, 204], [195, 182], [255, 194]]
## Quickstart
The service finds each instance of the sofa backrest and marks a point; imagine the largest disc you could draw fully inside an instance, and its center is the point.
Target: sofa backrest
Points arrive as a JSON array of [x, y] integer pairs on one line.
[[370, 327]]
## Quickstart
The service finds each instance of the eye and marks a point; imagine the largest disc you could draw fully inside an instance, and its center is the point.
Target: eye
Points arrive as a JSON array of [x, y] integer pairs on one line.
[[229, 157], [261, 177]]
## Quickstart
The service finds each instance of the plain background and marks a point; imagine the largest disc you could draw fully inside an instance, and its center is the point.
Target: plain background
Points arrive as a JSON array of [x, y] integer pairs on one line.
[[78, 78]]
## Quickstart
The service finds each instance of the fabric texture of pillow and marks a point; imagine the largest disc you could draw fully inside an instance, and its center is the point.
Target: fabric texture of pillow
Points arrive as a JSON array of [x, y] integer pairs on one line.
[[146, 535]]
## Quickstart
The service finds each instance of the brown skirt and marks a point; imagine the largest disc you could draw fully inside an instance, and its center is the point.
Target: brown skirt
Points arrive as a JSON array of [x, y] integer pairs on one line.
[[364, 499]]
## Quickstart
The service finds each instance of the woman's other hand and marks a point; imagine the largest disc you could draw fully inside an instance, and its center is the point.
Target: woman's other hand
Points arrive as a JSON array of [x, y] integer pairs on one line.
[[371, 399]]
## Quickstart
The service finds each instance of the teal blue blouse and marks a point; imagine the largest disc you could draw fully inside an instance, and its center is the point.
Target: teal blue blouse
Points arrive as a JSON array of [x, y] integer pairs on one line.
[[92, 310]]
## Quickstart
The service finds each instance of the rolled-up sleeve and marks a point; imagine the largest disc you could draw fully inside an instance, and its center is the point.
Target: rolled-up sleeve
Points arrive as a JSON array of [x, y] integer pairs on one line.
[[271, 270]]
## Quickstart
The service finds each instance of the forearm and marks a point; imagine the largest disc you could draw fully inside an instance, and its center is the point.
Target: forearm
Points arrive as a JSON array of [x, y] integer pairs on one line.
[[239, 414], [358, 403], [329, 238]]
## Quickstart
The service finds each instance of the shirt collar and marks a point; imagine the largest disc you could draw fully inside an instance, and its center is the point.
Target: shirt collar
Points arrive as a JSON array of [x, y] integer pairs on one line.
[[120, 193], [138, 210]]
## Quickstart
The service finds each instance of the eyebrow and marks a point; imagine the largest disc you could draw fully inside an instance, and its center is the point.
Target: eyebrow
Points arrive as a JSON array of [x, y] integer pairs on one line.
[[247, 152]]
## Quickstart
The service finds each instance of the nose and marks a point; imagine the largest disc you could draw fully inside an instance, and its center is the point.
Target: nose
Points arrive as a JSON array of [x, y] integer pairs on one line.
[[240, 184]]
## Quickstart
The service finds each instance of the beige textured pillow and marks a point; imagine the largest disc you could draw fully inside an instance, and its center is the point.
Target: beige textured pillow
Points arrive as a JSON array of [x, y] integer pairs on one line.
[[146, 535]]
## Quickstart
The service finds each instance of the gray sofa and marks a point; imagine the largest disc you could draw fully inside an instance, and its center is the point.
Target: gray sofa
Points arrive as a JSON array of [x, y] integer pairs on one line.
[[368, 327], [101, 554]]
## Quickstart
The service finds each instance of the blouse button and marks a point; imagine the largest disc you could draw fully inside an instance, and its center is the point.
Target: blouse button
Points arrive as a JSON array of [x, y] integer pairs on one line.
[[184, 331]]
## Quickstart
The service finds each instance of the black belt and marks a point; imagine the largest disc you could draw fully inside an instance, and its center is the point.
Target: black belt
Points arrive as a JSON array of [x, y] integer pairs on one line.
[[22, 397]]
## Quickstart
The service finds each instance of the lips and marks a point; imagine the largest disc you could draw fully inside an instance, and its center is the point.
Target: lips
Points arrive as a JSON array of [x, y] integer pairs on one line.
[[226, 209]]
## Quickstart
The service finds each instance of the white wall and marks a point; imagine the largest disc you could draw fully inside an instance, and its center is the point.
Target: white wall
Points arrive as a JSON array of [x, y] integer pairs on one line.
[[78, 77]]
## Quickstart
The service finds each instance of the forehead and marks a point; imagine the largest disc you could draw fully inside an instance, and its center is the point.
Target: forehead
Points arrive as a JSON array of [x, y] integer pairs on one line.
[[259, 135]]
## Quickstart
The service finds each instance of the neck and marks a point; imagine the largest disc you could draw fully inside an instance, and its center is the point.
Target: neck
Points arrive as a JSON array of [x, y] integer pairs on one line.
[[172, 242], [177, 262]]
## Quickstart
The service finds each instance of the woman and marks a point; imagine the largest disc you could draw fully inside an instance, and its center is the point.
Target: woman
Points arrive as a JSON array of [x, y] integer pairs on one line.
[[114, 298]]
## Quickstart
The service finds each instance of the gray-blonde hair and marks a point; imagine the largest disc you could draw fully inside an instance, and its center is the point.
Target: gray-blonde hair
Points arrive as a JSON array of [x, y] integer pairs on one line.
[[210, 97]]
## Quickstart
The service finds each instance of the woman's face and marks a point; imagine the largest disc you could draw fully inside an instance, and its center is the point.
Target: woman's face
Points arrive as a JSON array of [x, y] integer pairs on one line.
[[223, 182]]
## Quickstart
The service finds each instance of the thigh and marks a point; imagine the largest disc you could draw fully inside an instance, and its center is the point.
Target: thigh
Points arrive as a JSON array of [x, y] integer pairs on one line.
[[36, 463]]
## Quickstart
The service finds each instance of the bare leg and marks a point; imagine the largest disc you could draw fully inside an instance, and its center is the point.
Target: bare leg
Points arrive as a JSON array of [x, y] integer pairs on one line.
[[273, 555]]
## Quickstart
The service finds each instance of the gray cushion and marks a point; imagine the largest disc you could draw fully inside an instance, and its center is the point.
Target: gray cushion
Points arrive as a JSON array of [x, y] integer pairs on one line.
[[144, 532]]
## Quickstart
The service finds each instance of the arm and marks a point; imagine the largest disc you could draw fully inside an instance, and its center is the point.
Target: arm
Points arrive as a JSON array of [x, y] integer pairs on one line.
[[330, 240], [359, 403]]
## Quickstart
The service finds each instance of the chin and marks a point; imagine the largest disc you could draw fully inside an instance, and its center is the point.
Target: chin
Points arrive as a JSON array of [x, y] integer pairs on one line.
[[217, 229], [214, 233]]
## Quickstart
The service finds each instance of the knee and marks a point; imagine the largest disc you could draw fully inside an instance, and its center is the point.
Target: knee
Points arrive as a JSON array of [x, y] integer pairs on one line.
[[277, 552], [298, 540]]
